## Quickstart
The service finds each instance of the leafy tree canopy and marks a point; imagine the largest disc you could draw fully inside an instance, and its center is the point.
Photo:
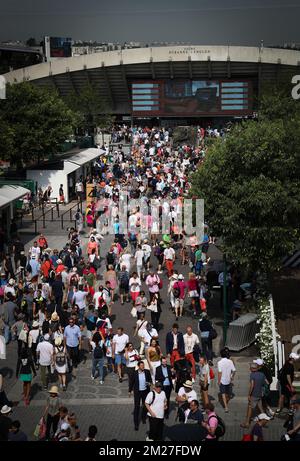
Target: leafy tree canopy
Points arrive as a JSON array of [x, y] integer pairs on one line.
[[251, 185], [38, 123]]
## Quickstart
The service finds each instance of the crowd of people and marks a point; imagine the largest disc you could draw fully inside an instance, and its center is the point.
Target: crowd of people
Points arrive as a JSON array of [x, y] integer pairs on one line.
[[62, 304]]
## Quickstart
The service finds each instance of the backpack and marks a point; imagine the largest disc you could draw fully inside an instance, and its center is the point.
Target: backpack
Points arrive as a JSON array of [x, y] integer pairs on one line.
[[98, 352], [77, 216], [176, 292], [110, 258], [124, 280], [221, 428], [60, 358], [102, 327]]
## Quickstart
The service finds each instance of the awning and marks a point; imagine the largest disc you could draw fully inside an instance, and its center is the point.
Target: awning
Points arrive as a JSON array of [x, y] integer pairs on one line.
[[9, 194], [76, 161]]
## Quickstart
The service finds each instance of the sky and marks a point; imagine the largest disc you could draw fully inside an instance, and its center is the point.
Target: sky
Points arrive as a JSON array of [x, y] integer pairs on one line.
[[199, 22]]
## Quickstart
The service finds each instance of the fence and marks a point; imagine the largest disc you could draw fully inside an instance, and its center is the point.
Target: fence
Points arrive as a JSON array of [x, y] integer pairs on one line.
[[63, 219], [241, 332]]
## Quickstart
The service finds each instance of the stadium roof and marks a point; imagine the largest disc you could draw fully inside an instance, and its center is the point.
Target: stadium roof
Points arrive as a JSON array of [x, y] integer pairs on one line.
[[111, 72]]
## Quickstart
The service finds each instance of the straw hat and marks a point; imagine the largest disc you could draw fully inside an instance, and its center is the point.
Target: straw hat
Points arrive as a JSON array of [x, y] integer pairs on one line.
[[54, 317], [5, 410], [188, 384], [53, 390], [35, 324]]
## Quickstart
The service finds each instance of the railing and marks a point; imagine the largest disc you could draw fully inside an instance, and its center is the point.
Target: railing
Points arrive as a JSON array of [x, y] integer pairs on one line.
[[70, 211]]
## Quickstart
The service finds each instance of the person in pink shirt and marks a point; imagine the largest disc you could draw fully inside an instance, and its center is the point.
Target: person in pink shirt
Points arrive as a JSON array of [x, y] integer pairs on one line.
[[211, 422], [179, 300]]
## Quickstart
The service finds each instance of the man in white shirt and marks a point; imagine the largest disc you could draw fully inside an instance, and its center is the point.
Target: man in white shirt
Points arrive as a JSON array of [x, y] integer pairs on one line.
[[184, 397], [147, 253], [120, 340], [44, 353], [156, 404], [35, 251], [79, 298], [139, 258], [147, 334], [169, 258], [190, 340], [226, 372]]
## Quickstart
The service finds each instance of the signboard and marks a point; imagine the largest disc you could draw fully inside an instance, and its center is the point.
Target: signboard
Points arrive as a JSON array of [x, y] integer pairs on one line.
[[58, 47]]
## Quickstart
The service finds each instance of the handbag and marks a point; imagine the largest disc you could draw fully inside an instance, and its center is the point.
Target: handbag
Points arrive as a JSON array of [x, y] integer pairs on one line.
[[133, 312], [152, 307], [211, 373], [96, 263], [213, 334], [40, 429]]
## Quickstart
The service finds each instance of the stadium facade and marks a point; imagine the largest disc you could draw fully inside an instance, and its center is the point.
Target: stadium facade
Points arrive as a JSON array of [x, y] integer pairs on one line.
[[172, 82]]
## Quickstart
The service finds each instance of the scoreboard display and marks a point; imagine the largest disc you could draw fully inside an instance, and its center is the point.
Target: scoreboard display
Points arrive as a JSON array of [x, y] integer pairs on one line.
[[192, 97]]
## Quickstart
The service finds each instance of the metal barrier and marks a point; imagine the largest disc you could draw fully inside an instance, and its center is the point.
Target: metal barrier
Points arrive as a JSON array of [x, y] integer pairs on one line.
[[241, 332], [70, 211]]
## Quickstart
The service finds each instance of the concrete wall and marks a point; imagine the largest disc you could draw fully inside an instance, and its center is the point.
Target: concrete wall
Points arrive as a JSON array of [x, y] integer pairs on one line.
[[157, 54], [54, 178]]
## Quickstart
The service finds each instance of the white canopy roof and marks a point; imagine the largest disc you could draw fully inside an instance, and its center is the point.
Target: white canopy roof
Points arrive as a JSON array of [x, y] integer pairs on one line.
[[11, 193], [83, 157]]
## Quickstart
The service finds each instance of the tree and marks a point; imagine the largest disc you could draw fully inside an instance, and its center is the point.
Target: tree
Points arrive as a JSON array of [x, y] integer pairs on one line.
[[95, 111], [250, 184], [31, 42], [6, 140], [40, 121]]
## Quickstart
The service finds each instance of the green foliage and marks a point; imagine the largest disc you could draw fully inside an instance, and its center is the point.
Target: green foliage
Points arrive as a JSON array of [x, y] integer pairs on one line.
[[38, 120], [250, 183], [93, 109]]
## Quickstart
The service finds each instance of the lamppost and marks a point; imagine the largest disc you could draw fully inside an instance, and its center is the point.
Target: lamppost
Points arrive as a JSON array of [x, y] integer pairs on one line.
[[225, 298]]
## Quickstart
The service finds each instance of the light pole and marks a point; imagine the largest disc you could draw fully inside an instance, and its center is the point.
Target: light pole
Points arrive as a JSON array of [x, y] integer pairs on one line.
[[225, 298]]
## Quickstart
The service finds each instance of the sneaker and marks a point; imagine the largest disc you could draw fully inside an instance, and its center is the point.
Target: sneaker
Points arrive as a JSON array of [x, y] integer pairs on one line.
[[159, 272], [101, 382], [277, 411], [149, 440], [92, 377]]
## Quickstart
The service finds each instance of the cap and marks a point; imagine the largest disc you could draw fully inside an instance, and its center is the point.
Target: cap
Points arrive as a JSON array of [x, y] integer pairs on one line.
[[59, 261], [180, 277], [5, 410], [264, 416], [158, 384], [258, 362], [294, 356], [46, 337], [65, 426], [35, 324], [11, 281]]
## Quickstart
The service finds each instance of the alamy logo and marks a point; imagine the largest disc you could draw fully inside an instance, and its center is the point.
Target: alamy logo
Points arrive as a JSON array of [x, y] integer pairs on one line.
[[296, 89], [2, 87]]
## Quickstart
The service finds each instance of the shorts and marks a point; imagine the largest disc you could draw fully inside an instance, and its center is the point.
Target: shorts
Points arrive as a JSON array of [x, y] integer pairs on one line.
[[284, 390], [179, 302], [120, 359], [124, 290], [254, 401], [134, 295], [204, 387], [226, 389]]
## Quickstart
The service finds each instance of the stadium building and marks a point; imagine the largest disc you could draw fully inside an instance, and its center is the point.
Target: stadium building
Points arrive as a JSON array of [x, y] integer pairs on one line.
[[172, 84]]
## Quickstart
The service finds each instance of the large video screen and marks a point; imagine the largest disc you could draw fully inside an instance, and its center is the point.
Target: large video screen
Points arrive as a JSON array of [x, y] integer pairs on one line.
[[192, 97]]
